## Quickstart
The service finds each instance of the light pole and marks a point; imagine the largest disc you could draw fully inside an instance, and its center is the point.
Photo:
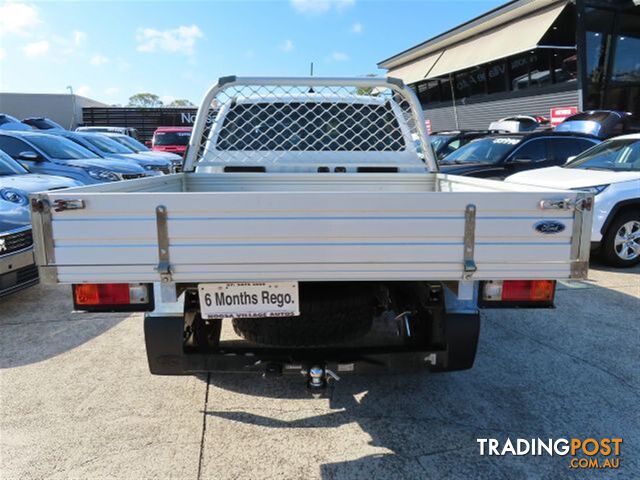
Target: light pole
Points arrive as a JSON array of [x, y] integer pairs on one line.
[[73, 107]]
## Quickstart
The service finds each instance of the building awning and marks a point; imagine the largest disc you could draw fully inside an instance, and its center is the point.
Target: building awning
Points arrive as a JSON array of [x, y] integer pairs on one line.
[[509, 39], [417, 70]]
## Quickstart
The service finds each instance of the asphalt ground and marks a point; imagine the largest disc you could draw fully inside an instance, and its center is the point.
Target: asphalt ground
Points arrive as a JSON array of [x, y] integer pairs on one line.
[[77, 401]]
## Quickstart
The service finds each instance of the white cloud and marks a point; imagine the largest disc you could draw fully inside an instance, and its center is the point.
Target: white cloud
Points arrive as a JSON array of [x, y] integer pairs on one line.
[[3, 53], [98, 60], [339, 56], [177, 40], [82, 90], [318, 7], [78, 37], [18, 18], [36, 49], [287, 46], [357, 28], [112, 91]]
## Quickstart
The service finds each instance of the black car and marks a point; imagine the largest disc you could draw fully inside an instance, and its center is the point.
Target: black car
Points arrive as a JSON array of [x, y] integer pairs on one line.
[[446, 142], [601, 123], [500, 155]]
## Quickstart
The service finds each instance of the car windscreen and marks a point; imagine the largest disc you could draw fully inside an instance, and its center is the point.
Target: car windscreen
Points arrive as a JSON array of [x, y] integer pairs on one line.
[[483, 150], [8, 166], [132, 143], [622, 155], [106, 145], [310, 126], [8, 119], [171, 138], [437, 141], [42, 124], [593, 116], [60, 147]]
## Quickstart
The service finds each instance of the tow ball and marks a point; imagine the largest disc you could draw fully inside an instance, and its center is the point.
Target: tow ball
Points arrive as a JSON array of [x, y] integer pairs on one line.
[[318, 378]]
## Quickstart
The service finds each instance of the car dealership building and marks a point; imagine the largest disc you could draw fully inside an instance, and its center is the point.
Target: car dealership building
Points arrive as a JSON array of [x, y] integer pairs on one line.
[[527, 57], [63, 108]]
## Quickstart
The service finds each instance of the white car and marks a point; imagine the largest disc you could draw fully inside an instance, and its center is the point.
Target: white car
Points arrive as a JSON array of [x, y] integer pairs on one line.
[[611, 171]]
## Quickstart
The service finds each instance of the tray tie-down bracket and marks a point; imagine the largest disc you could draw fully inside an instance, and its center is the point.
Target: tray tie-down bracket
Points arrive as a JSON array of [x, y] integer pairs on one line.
[[164, 264], [469, 264]]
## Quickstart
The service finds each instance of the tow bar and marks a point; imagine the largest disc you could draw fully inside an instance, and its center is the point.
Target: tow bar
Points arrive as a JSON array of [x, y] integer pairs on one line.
[[318, 378]]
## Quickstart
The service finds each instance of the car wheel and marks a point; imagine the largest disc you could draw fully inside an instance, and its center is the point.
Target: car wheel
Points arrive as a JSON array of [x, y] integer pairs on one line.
[[621, 242]]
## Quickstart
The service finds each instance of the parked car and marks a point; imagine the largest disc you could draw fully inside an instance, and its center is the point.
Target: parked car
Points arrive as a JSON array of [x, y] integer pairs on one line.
[[17, 265], [611, 171], [139, 147], [42, 123], [129, 131], [171, 139], [303, 237], [7, 122], [519, 123], [500, 155], [16, 181], [446, 142], [601, 123], [107, 148], [56, 155]]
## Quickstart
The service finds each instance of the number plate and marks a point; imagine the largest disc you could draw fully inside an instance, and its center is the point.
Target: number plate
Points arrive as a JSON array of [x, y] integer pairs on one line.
[[247, 300]]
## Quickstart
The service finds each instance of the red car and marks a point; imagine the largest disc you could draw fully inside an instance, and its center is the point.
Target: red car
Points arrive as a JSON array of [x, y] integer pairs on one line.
[[171, 139]]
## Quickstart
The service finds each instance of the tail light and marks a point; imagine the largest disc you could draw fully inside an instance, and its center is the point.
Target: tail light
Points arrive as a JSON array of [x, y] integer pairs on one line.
[[518, 293], [113, 297]]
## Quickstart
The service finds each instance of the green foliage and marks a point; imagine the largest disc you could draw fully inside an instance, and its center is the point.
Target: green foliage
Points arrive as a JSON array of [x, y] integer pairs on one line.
[[145, 100], [181, 102]]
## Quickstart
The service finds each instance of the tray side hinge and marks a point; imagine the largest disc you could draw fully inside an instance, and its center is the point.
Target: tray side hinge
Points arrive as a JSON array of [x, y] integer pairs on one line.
[[581, 203], [469, 242], [61, 204]]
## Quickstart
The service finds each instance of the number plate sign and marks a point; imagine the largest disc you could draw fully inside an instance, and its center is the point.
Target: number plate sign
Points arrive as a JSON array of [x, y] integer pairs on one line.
[[248, 300]]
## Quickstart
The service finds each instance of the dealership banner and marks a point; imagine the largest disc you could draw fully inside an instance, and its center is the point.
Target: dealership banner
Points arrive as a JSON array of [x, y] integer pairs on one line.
[[558, 114]]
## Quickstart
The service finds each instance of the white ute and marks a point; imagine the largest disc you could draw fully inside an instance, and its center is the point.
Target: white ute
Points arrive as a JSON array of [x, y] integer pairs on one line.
[[306, 218]]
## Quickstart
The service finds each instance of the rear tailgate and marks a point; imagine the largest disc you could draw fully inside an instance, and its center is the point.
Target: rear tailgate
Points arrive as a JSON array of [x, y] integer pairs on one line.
[[315, 235]]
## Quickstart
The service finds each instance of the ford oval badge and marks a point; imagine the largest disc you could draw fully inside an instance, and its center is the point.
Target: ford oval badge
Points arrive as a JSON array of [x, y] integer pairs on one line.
[[549, 227]]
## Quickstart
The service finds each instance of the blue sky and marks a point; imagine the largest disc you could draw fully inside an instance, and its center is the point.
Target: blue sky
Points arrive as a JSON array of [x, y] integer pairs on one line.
[[112, 50]]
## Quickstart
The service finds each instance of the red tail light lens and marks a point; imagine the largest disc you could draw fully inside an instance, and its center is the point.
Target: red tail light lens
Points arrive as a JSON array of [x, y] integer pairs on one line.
[[518, 292], [102, 294], [528, 290], [113, 296]]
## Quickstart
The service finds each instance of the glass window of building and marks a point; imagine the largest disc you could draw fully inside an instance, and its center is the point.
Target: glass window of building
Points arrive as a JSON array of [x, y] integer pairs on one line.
[[519, 67], [445, 89], [470, 82], [497, 79], [540, 74], [626, 60], [598, 25], [565, 65]]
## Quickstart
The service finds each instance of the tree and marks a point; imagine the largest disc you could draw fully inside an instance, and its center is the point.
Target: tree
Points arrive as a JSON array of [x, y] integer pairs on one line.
[[181, 102], [366, 90], [145, 100]]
